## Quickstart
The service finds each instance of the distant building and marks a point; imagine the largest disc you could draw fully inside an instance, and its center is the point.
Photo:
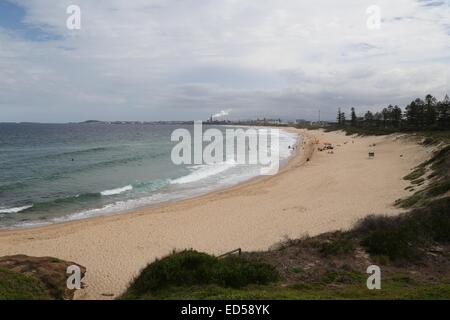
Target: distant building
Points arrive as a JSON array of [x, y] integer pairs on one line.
[[302, 122], [266, 121]]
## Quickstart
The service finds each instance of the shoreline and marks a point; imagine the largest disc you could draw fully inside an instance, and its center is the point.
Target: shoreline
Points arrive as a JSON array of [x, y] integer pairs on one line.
[[66, 219], [302, 198]]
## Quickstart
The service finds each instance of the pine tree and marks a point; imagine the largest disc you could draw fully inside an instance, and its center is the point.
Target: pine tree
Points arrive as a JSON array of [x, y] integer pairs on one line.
[[412, 114], [430, 113], [385, 116], [368, 117], [443, 113], [420, 105], [396, 116], [353, 115], [377, 117]]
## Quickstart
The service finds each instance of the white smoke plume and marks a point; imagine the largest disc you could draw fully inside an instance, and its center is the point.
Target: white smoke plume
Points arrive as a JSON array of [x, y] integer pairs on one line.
[[222, 113]]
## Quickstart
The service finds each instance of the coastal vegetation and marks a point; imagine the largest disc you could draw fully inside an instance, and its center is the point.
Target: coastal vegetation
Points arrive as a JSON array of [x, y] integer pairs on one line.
[[435, 172], [16, 286], [34, 278], [427, 118], [412, 249], [420, 115], [190, 268]]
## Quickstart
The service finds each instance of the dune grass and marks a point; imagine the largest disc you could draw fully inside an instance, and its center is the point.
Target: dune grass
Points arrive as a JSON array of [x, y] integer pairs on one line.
[[342, 245], [416, 174], [390, 290], [334, 285], [403, 236], [438, 180]]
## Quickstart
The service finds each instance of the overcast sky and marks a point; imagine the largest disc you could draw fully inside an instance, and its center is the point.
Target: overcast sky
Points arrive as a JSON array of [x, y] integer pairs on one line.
[[187, 59]]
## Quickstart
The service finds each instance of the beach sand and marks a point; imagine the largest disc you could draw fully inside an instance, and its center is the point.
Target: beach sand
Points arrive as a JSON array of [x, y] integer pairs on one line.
[[329, 192]]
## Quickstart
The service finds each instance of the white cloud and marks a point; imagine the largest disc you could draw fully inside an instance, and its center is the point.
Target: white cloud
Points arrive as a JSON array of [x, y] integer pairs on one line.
[[187, 59]]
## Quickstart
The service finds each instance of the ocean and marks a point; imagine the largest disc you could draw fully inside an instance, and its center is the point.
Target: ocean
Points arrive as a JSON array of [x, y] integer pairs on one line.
[[57, 172]]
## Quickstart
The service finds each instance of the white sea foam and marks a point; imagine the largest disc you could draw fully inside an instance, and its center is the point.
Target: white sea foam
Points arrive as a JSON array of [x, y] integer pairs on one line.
[[231, 173], [119, 206], [201, 172], [287, 140], [116, 191], [15, 209]]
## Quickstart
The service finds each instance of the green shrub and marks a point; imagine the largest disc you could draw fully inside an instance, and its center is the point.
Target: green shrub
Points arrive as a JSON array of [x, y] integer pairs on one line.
[[297, 270], [16, 286], [416, 199], [401, 237], [393, 237], [439, 188], [396, 243], [179, 269], [338, 246], [191, 268], [435, 220], [236, 272]]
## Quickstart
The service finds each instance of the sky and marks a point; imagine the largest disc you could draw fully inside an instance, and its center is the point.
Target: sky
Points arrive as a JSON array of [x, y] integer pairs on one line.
[[188, 59]]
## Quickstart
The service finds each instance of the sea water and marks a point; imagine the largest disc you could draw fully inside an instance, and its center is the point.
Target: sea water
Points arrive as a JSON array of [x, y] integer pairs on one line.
[[56, 172]]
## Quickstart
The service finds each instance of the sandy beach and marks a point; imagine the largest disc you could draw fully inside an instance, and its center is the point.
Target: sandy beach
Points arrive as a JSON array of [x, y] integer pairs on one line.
[[328, 192]]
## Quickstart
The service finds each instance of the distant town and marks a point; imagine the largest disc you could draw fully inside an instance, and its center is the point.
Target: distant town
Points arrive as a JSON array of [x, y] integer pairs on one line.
[[218, 121]]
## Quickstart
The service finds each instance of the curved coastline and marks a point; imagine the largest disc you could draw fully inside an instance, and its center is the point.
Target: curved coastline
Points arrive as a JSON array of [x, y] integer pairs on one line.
[[305, 197], [93, 213]]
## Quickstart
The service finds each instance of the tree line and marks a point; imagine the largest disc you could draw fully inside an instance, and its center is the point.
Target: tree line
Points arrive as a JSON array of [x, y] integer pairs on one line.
[[419, 114]]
